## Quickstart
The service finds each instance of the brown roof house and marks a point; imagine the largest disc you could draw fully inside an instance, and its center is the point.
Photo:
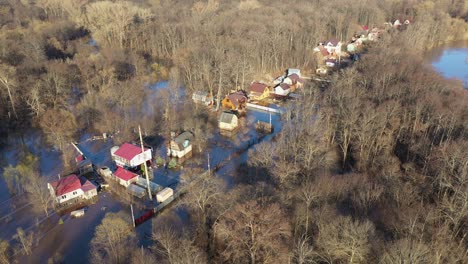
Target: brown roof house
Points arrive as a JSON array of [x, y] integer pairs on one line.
[[235, 101], [259, 91], [294, 81]]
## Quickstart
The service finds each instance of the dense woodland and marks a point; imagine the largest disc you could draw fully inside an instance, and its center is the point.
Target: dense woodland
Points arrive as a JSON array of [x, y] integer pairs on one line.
[[372, 168]]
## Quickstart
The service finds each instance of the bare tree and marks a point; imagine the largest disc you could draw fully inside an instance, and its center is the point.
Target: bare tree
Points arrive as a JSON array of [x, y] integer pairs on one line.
[[113, 239], [8, 81], [38, 193], [26, 240], [59, 126], [254, 233], [4, 252], [344, 239], [407, 251]]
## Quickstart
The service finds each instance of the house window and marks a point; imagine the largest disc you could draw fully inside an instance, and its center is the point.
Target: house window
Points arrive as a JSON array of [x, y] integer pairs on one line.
[[74, 193], [64, 196]]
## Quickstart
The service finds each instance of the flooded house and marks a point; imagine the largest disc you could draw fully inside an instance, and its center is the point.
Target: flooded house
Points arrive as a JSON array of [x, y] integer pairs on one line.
[[202, 97], [181, 145], [228, 121], [282, 89], [259, 91], [129, 155], [235, 101], [70, 188], [125, 177]]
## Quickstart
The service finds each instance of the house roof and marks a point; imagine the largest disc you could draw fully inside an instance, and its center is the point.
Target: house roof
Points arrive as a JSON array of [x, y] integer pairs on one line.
[[284, 86], [258, 87], [324, 51], [294, 77], [226, 117], [87, 185], [128, 151], [66, 185], [333, 41], [237, 97], [180, 139], [124, 174]]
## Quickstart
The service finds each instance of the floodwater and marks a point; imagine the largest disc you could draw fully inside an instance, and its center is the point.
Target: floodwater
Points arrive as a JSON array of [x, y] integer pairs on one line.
[[451, 61], [70, 241]]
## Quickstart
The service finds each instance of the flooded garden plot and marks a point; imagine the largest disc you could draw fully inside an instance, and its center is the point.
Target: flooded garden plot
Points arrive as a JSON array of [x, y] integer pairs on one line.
[[67, 238]]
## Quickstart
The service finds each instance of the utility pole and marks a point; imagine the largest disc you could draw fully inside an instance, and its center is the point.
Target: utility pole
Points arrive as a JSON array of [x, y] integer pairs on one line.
[[146, 167], [133, 217], [209, 163]]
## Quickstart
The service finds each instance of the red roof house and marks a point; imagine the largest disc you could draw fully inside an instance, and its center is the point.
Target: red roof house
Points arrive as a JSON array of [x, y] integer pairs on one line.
[[125, 177], [71, 187], [130, 155]]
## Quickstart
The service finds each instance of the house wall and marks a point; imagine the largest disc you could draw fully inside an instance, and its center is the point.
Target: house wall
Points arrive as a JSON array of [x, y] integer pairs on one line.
[[90, 194], [141, 158], [179, 153], [68, 196], [226, 103], [127, 183], [229, 126], [280, 91]]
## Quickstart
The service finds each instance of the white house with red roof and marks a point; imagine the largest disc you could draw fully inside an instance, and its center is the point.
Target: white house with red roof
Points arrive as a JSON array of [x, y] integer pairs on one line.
[[71, 187], [130, 155], [125, 177]]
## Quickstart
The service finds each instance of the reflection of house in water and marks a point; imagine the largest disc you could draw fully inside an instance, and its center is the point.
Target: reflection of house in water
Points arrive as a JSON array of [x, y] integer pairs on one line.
[[235, 101], [228, 121], [129, 155], [202, 97], [71, 187], [180, 145]]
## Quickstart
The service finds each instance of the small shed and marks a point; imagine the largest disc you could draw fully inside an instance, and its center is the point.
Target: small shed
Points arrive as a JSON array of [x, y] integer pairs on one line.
[[136, 190], [181, 145], [202, 97], [291, 71], [153, 186], [228, 121]]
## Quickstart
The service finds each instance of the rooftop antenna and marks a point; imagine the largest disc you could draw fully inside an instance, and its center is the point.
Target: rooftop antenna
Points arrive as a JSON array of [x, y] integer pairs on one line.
[[146, 167]]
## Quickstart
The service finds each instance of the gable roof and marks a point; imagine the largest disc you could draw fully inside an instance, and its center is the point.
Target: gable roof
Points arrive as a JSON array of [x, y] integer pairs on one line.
[[324, 51], [128, 151], [284, 86], [333, 42], [180, 139], [124, 174], [258, 87], [66, 185], [226, 117], [237, 97], [87, 185]]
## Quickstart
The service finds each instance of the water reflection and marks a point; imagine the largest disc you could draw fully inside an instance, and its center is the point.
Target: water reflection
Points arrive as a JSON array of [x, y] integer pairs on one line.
[[452, 61]]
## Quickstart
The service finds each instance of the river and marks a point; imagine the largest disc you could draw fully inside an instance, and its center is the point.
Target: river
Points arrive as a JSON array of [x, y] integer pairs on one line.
[[451, 61]]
